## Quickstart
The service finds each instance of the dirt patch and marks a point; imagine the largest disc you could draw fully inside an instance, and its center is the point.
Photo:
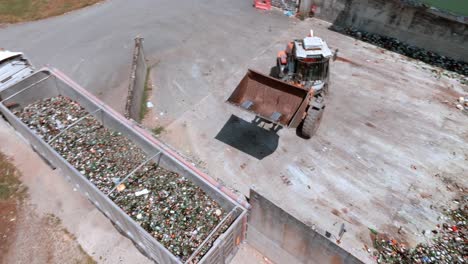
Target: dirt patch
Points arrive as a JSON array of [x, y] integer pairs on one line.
[[370, 125], [148, 117], [14, 11], [446, 95], [10, 186], [26, 236], [425, 195], [11, 193], [336, 212], [448, 240], [7, 224], [452, 185], [342, 59], [41, 239]]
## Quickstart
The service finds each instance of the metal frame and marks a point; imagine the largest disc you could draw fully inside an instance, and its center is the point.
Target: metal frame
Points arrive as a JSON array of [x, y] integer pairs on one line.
[[133, 172], [72, 125], [24, 89], [210, 235], [144, 241]]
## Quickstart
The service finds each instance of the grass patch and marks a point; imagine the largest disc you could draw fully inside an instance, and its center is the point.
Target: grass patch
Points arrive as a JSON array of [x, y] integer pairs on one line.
[[54, 220], [13, 11], [459, 7], [10, 185], [157, 130], [146, 93]]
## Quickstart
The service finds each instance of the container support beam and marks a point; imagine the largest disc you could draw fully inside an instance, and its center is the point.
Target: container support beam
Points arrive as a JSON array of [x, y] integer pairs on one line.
[[26, 88], [72, 125]]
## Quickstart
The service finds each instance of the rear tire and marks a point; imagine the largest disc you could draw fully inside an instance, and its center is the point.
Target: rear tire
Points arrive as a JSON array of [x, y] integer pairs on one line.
[[274, 72], [325, 89], [312, 121]]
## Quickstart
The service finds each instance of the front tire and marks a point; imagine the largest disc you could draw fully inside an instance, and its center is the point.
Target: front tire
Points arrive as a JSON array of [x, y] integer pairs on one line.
[[312, 121], [325, 89]]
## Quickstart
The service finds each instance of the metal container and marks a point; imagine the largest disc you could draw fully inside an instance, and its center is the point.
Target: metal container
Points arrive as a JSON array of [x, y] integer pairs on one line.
[[48, 83], [270, 99]]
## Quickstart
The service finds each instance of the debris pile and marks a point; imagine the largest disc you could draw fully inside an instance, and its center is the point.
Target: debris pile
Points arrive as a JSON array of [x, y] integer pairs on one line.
[[175, 211], [105, 157], [462, 103], [171, 208], [449, 243], [414, 52], [413, 3], [49, 116]]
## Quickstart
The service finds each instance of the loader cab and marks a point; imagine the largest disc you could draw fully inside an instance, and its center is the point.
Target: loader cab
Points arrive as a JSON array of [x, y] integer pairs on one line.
[[310, 62], [312, 70]]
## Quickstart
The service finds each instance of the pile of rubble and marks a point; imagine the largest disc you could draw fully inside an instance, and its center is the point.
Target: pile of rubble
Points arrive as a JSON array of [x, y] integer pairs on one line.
[[105, 157], [48, 117], [175, 211], [449, 243], [462, 103], [397, 46], [413, 3]]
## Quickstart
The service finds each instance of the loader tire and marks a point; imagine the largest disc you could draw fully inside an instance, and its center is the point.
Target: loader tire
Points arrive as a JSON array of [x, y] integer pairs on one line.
[[274, 72], [312, 121], [325, 89]]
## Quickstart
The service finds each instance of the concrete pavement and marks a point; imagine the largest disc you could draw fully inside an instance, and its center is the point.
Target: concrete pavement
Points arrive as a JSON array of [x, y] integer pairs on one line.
[[380, 160]]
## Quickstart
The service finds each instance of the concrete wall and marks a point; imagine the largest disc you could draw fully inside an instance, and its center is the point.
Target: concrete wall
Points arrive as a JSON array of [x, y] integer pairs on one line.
[[137, 83], [284, 239], [414, 25]]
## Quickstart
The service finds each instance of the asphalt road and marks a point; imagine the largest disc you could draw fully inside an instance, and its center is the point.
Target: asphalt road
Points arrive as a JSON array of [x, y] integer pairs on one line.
[[94, 45]]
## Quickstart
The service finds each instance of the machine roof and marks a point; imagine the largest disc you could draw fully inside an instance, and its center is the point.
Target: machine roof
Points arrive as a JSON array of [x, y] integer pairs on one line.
[[5, 54], [312, 46], [13, 68]]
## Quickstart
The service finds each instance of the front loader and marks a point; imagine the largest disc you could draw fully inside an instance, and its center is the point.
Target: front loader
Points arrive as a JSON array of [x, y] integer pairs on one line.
[[294, 95]]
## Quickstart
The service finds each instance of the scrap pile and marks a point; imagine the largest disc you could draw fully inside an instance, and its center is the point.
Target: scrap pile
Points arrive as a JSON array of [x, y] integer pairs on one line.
[[103, 156], [175, 211], [449, 243], [462, 103], [397, 46], [48, 117], [413, 3]]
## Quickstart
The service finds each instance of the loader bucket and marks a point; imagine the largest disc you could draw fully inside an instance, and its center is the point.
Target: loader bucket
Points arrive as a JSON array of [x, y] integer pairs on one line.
[[270, 98]]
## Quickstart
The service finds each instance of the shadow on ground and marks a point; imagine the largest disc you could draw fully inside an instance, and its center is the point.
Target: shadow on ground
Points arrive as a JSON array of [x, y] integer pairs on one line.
[[249, 137]]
